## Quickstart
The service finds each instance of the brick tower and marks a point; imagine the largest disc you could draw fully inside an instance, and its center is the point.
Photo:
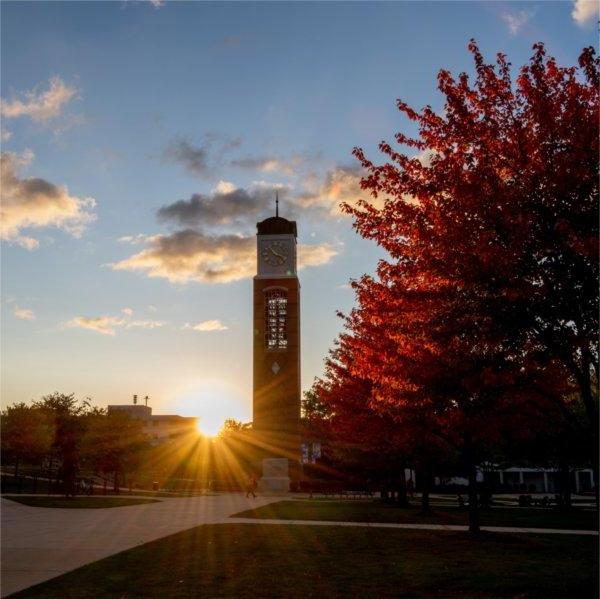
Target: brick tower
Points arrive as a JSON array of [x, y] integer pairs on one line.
[[276, 392]]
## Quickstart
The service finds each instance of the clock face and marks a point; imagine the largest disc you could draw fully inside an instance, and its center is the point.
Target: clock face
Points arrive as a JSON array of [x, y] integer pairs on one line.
[[275, 253]]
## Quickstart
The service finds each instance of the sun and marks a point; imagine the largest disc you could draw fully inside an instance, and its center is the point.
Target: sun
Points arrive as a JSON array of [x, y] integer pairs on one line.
[[211, 402], [208, 427]]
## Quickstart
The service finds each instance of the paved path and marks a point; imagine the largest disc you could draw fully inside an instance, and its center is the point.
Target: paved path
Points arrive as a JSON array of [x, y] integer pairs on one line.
[[454, 527], [41, 543]]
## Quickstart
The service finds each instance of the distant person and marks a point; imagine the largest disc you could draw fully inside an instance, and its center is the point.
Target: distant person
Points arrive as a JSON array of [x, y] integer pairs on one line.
[[410, 488], [251, 486]]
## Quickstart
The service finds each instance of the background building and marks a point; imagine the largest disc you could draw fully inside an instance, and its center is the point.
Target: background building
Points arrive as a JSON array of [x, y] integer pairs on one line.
[[158, 427]]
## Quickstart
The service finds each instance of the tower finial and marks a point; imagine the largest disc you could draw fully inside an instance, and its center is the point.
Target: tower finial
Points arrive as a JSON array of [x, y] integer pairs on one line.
[[276, 203]]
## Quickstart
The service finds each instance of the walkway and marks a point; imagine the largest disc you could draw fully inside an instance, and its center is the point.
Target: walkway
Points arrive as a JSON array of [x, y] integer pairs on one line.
[[41, 543], [452, 527]]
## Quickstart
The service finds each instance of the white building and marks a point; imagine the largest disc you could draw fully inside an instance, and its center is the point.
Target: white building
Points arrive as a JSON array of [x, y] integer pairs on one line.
[[158, 427]]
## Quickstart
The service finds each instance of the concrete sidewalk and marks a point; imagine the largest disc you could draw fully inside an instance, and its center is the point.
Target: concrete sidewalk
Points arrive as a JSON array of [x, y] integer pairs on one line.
[[452, 527], [41, 543]]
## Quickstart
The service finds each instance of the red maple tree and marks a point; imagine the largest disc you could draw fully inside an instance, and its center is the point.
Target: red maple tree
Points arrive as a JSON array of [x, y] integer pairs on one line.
[[486, 311]]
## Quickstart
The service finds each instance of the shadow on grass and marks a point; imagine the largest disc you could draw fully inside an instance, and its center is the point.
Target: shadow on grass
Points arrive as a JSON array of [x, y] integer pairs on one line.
[[254, 560]]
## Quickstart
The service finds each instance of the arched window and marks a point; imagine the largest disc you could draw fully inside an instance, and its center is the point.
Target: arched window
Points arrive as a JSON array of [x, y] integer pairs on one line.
[[276, 319]]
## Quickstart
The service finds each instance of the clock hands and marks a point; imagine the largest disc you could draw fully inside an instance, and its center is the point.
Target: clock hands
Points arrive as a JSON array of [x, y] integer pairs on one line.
[[281, 256], [275, 254]]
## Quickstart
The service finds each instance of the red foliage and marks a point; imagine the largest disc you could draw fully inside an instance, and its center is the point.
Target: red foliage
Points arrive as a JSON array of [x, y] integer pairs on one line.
[[487, 311]]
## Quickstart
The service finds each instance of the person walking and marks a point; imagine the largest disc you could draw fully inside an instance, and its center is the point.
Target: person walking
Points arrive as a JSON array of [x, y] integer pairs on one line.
[[252, 486]]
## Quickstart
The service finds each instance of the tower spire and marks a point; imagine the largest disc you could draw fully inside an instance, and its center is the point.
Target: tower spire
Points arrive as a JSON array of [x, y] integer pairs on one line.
[[276, 203]]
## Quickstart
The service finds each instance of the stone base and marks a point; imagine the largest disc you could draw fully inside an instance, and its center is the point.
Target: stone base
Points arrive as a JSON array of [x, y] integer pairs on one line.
[[276, 476]]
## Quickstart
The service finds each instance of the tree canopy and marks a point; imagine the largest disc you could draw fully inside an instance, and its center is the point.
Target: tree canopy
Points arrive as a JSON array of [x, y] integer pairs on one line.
[[484, 317]]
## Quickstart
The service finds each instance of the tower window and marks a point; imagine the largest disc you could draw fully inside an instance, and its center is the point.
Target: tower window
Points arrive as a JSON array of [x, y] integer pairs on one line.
[[276, 319]]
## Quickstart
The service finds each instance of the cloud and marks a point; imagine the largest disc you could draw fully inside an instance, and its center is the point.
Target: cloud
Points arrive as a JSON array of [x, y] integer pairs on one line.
[[340, 184], [158, 3], [270, 164], [200, 160], [193, 158], [144, 324], [101, 324], [585, 12], [226, 205], [515, 21], [206, 326], [315, 255], [5, 134], [225, 187], [319, 197], [40, 107], [190, 255], [36, 203], [23, 313], [133, 239], [106, 325]]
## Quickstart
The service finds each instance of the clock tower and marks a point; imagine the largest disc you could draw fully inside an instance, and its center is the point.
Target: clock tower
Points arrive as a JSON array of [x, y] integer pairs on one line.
[[276, 375]]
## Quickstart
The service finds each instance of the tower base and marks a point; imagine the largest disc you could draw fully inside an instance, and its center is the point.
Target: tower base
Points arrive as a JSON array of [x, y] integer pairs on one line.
[[275, 476]]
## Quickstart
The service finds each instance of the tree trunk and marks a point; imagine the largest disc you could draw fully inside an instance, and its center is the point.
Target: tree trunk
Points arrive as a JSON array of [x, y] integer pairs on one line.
[[486, 492], [584, 380], [425, 488], [472, 476], [16, 467], [402, 499], [565, 488]]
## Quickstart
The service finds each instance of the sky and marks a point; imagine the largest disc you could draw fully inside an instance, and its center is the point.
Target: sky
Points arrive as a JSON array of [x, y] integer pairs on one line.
[[141, 143]]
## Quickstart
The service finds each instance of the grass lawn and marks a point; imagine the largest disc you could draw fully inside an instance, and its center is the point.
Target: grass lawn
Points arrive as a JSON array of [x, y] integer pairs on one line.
[[254, 560], [78, 502], [375, 511]]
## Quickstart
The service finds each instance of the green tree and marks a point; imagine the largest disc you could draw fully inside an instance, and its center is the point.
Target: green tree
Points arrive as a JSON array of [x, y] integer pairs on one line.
[[65, 413], [26, 434], [113, 444]]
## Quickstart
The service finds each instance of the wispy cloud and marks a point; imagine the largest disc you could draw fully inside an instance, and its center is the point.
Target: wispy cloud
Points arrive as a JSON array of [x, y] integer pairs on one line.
[[270, 164], [189, 255], [516, 20], [319, 197], [225, 206], [585, 12], [104, 325], [339, 184], [144, 324], [36, 203], [23, 313], [200, 159], [107, 325], [40, 106], [206, 326], [192, 157]]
